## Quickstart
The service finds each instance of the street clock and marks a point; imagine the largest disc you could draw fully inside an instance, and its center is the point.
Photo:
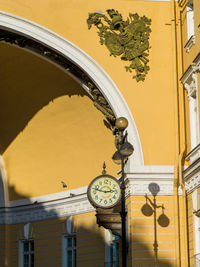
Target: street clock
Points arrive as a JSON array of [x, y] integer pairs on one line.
[[104, 192]]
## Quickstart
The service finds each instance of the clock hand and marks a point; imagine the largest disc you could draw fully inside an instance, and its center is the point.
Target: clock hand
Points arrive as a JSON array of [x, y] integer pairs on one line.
[[109, 191], [96, 189], [104, 191], [100, 190]]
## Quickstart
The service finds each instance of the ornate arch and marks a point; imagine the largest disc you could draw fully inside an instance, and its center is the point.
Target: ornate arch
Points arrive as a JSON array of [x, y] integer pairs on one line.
[[54, 48]]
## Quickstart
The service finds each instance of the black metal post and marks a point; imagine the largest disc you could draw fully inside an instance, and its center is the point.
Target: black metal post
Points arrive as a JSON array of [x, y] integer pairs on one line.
[[123, 214], [155, 232]]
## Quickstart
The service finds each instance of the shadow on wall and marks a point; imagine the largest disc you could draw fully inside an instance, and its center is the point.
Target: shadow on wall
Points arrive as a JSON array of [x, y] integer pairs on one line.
[[34, 83], [28, 83], [48, 230], [150, 209]]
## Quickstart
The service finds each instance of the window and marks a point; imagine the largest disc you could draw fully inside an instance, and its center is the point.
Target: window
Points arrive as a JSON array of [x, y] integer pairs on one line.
[[114, 251], [27, 253], [69, 251], [111, 250], [190, 82], [190, 19]]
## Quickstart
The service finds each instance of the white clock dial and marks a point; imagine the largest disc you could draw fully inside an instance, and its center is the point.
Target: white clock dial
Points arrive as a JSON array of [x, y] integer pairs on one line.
[[104, 192]]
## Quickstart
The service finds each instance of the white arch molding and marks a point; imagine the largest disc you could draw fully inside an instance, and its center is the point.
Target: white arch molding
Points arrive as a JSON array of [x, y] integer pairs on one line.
[[84, 61], [4, 195]]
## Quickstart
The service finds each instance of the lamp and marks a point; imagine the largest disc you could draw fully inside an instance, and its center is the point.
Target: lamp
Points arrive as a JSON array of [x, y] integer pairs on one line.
[[121, 123], [117, 157], [124, 150]]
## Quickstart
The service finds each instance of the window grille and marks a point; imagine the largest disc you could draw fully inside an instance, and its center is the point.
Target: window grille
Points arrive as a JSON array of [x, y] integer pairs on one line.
[[27, 253], [69, 251]]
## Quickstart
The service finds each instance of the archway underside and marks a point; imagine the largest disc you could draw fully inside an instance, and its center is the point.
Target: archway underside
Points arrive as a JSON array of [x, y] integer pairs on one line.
[[55, 57], [51, 131], [109, 102]]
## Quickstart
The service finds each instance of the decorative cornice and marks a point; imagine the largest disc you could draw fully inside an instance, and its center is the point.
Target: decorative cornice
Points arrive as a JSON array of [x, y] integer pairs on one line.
[[75, 201], [188, 73], [191, 175], [188, 76], [47, 210], [197, 213], [197, 60], [138, 182], [182, 3], [189, 80], [190, 43], [194, 154]]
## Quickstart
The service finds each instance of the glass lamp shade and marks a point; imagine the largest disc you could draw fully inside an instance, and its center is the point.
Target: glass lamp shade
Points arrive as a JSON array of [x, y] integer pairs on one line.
[[126, 149], [117, 157], [121, 123]]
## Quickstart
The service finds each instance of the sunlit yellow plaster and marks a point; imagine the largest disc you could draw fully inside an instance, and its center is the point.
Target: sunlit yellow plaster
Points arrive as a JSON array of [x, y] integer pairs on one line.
[[52, 131], [151, 102]]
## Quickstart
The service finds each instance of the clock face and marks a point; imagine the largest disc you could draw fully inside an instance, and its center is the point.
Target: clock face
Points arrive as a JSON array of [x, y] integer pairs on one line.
[[104, 192]]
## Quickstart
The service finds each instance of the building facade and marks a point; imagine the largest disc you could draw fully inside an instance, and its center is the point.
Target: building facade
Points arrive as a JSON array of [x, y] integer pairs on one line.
[[61, 92]]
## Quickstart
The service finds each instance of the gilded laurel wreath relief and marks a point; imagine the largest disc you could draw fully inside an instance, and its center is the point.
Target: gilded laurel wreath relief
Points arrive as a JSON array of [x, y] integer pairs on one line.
[[126, 38]]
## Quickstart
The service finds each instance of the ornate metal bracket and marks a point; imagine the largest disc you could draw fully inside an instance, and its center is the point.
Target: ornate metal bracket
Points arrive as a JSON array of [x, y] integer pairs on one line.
[[109, 220]]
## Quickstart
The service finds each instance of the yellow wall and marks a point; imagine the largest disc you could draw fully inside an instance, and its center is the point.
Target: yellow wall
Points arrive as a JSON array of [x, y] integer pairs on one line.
[[63, 138], [189, 57], [47, 237], [90, 241], [151, 102], [142, 229], [191, 230], [48, 234], [51, 130], [197, 22]]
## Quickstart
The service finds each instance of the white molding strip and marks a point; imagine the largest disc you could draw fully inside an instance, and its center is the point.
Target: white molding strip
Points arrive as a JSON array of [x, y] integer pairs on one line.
[[193, 155], [188, 73], [46, 210], [197, 59], [85, 62], [190, 43], [75, 201], [196, 225], [4, 195], [191, 176], [139, 181]]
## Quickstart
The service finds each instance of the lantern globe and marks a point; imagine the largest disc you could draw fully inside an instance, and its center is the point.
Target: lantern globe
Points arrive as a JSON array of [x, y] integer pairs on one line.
[[117, 157], [121, 123], [126, 149]]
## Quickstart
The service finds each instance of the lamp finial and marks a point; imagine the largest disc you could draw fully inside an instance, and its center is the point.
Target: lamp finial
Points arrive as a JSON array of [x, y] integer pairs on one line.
[[104, 168]]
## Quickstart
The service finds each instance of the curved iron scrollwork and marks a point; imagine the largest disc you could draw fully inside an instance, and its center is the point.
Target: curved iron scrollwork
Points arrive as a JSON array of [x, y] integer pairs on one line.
[[99, 100]]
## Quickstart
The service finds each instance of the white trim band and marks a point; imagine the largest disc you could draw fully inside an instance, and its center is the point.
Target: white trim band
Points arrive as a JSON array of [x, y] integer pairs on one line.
[[75, 201]]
